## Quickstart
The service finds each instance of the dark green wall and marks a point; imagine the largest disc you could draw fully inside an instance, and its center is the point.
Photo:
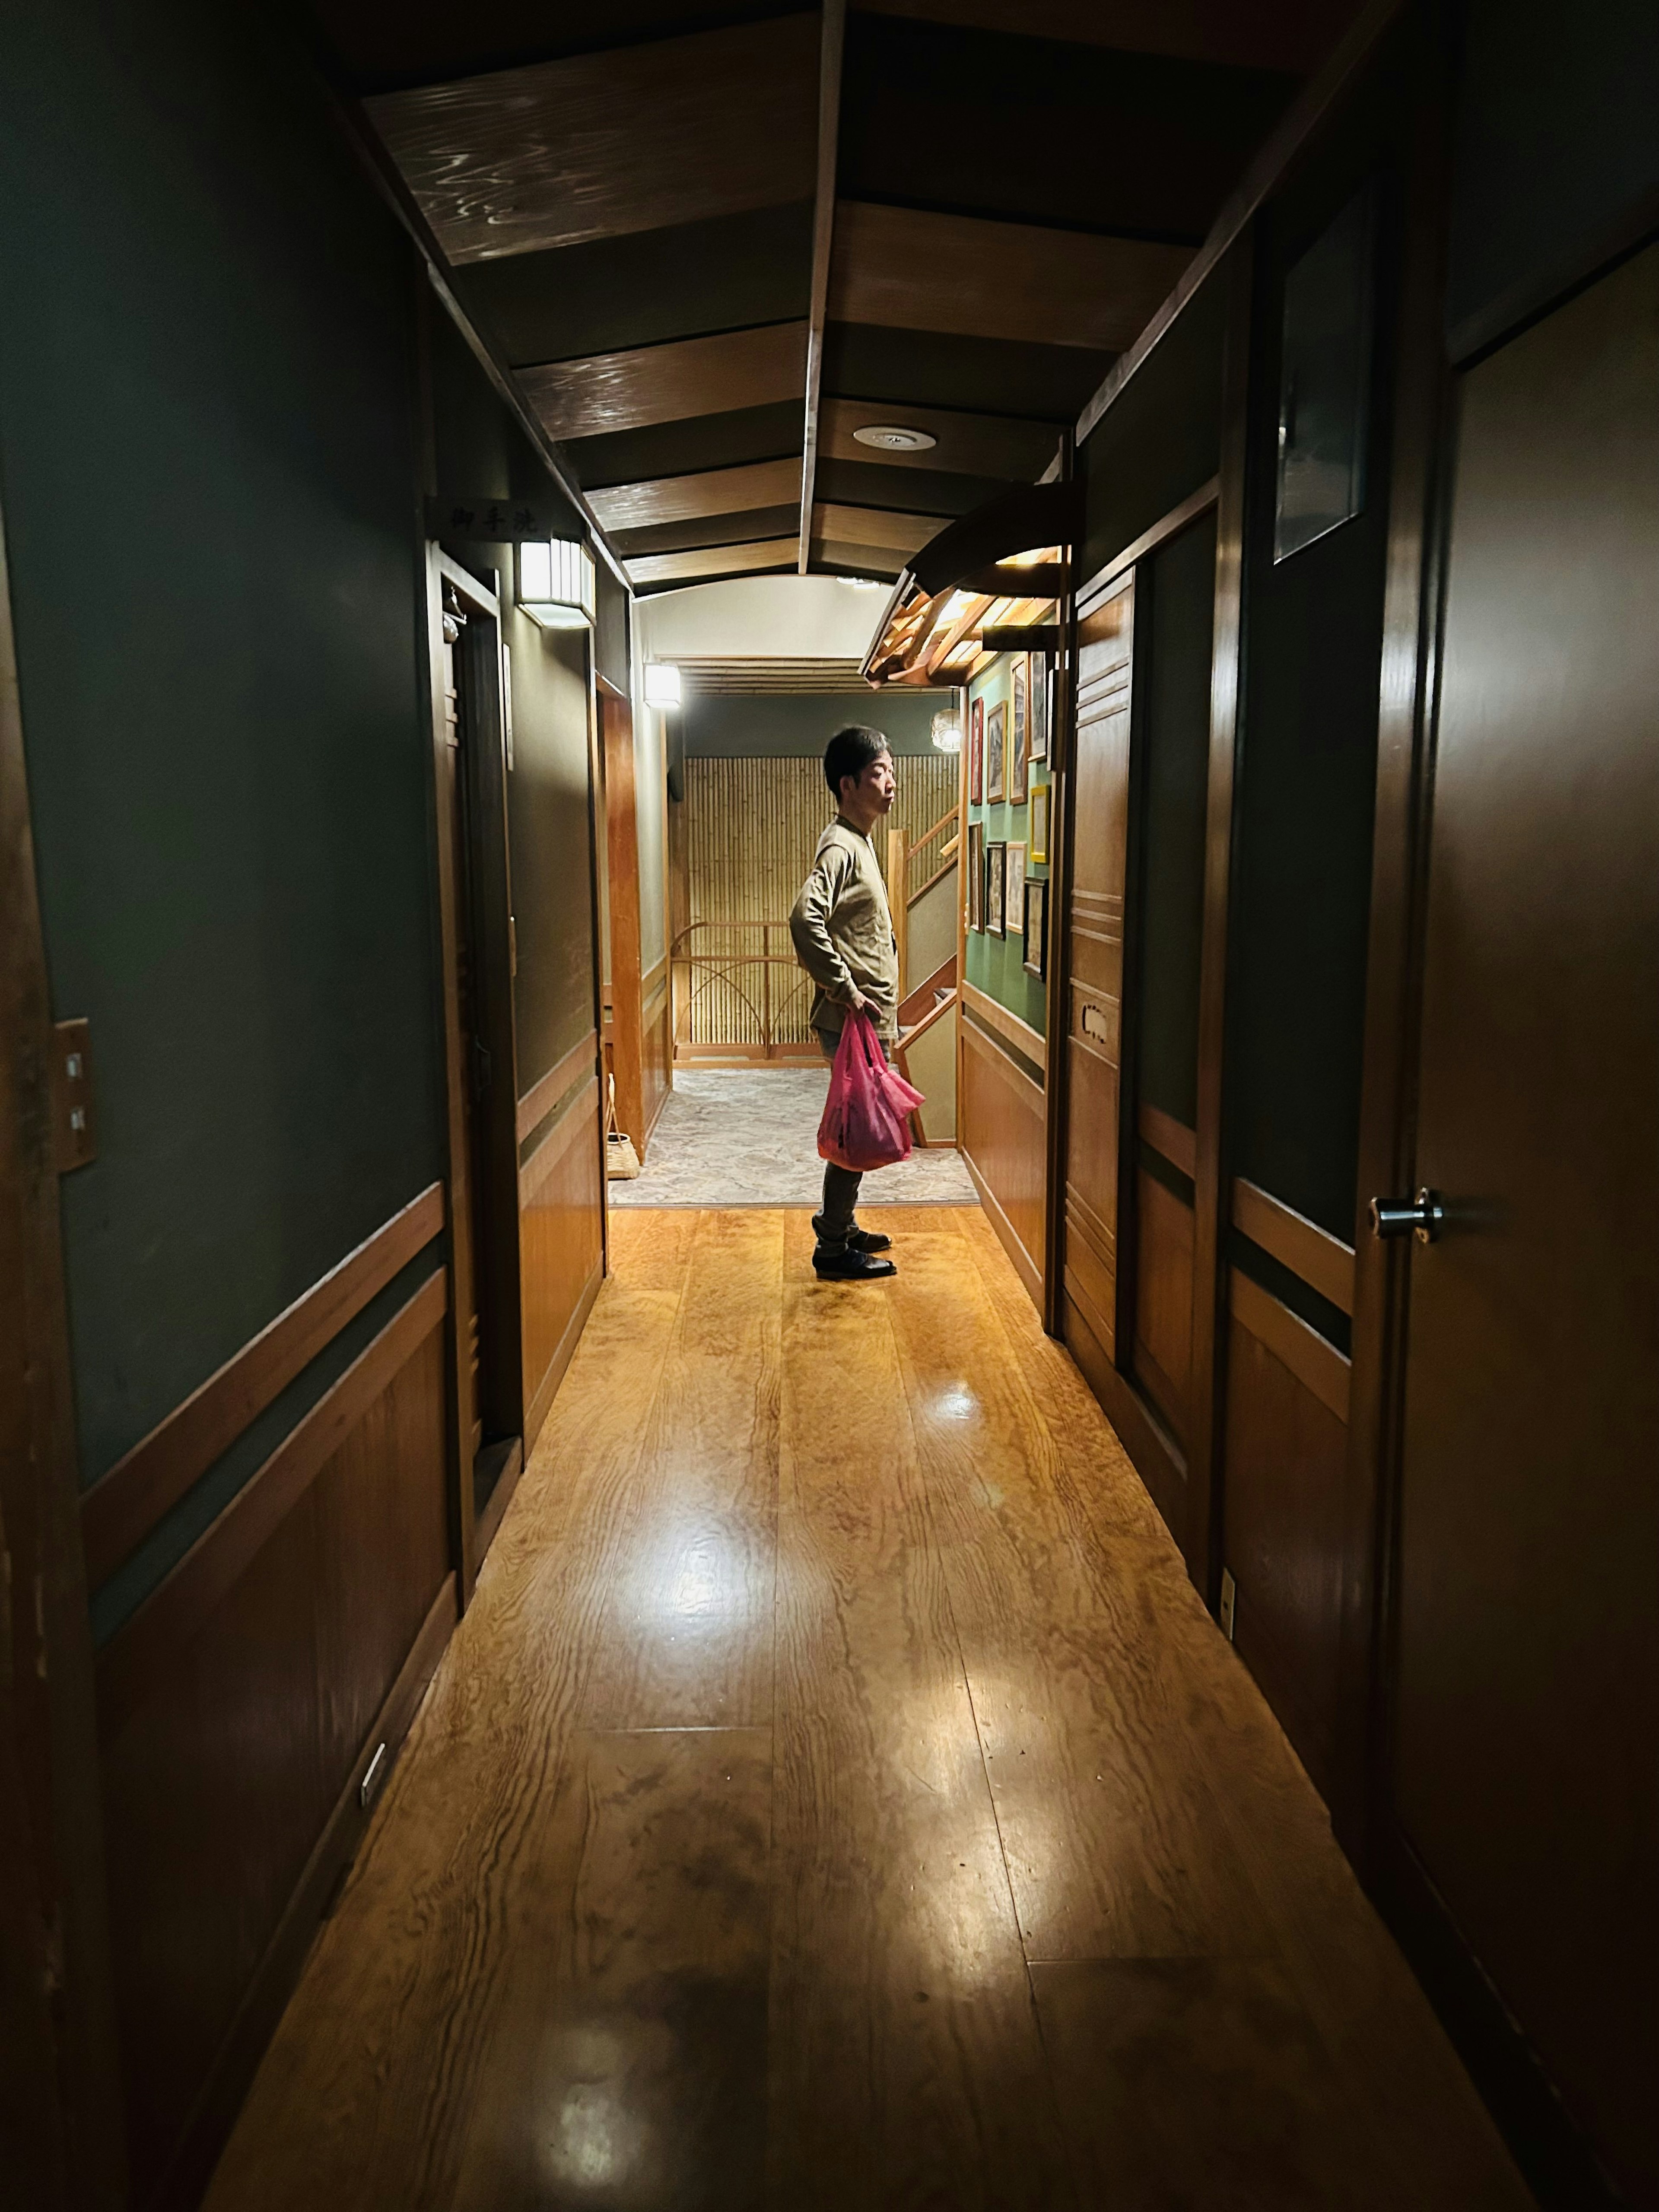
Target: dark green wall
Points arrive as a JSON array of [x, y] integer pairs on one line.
[[1161, 439], [207, 441]]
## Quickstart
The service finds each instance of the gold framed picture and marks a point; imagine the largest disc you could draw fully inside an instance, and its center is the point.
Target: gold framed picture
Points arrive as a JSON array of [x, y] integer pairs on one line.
[[995, 925], [1019, 727], [976, 875], [996, 752], [1040, 824], [1043, 705]]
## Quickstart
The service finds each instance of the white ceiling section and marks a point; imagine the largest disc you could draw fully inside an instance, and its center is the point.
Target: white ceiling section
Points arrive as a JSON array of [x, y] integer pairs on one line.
[[760, 617]]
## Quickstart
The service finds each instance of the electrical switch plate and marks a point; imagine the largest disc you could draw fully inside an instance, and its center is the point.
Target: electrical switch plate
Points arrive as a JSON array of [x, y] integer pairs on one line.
[[1229, 1600], [74, 1136]]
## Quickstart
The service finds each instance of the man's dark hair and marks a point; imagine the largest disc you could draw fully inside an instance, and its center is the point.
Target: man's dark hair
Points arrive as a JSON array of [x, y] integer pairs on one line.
[[850, 751]]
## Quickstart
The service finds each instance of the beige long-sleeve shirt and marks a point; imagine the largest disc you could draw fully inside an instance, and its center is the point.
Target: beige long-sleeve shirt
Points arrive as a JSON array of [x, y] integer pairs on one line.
[[843, 932]]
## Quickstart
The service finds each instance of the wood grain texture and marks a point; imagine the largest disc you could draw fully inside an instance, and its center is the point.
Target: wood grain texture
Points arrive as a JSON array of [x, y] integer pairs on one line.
[[1316, 1363], [749, 558], [549, 1090], [671, 132], [669, 383], [223, 1762], [1163, 1299], [710, 491], [561, 1227], [873, 526], [1000, 1126], [1177, 1143], [920, 270], [1002, 1745], [118, 1511], [1323, 1261]]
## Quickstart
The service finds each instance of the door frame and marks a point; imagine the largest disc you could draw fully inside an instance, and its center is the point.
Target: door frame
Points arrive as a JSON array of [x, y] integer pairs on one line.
[[493, 961], [54, 1914]]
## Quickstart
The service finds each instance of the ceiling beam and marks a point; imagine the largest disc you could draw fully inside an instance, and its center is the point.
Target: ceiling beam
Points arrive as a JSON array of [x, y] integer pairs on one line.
[[823, 231]]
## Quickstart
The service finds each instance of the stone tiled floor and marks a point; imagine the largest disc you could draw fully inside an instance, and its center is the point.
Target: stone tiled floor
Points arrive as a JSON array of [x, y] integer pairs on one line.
[[741, 1136]]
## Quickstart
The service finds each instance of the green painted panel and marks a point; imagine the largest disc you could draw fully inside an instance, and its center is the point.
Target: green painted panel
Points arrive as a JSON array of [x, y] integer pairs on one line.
[[996, 964]]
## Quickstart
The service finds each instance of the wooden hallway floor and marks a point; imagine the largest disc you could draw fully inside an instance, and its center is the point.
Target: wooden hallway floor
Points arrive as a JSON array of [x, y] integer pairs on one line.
[[836, 1797]]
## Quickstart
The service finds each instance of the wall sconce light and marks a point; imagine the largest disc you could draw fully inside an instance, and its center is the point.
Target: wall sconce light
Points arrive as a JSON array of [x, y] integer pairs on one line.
[[556, 583], [947, 729], [662, 683]]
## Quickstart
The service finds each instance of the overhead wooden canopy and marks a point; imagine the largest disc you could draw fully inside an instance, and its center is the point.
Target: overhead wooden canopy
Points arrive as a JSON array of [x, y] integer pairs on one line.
[[631, 202]]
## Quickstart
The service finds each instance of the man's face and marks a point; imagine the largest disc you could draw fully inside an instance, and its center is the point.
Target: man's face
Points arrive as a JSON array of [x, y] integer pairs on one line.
[[872, 795]]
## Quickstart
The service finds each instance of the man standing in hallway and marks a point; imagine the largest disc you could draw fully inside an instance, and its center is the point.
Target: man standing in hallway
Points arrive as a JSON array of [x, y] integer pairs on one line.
[[844, 937]]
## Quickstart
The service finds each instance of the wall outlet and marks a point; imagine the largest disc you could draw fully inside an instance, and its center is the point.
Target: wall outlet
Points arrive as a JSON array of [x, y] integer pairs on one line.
[[1228, 1599]]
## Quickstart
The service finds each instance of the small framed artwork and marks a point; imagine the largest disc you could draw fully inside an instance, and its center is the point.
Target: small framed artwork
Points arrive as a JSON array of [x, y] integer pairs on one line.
[[1040, 824], [1019, 730], [1013, 889], [976, 753], [1019, 707], [975, 875], [994, 924], [996, 752], [1035, 962]]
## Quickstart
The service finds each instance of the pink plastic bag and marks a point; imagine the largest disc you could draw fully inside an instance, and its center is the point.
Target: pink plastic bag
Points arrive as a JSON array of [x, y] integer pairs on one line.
[[866, 1116]]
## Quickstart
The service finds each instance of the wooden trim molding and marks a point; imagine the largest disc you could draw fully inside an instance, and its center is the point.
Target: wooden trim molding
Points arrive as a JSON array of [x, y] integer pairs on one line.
[[1167, 526], [1171, 1139], [1324, 1262], [831, 42], [120, 1510], [537, 1411], [976, 1041], [559, 1138], [208, 2130], [995, 1016], [484, 600], [1320, 1366], [500, 1498], [656, 974], [137, 1657], [544, 1094], [1007, 1235]]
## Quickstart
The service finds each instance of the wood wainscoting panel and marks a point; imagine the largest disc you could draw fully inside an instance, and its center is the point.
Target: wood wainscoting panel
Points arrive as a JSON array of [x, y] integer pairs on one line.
[[1093, 955], [1163, 1300], [1000, 1117], [561, 1246], [1285, 1449], [121, 1509], [225, 1762]]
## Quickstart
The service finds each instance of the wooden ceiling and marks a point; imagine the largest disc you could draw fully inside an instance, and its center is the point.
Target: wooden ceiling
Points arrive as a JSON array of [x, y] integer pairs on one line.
[[630, 198]]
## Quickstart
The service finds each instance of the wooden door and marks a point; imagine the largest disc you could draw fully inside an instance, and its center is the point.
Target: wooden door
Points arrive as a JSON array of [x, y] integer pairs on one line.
[[1093, 956], [624, 1030], [1174, 621], [1526, 1692], [462, 962]]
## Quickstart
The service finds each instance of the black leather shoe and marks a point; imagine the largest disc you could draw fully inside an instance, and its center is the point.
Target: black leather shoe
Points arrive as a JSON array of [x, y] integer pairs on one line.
[[850, 1267], [868, 1240]]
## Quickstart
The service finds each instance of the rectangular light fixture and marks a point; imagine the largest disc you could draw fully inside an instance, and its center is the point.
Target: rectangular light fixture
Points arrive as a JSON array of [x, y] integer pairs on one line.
[[556, 583], [662, 683]]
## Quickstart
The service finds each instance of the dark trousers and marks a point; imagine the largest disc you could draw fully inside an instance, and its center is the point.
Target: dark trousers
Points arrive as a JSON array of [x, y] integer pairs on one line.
[[835, 1223]]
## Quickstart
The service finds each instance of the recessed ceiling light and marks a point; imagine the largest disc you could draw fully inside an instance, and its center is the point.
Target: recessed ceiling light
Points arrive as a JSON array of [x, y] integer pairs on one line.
[[894, 438]]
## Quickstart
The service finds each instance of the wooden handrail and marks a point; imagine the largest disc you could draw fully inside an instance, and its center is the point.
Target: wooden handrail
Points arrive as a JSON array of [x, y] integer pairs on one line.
[[948, 814], [909, 1037]]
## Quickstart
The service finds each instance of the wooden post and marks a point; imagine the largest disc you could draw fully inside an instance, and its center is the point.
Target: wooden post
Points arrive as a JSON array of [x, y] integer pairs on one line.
[[898, 902]]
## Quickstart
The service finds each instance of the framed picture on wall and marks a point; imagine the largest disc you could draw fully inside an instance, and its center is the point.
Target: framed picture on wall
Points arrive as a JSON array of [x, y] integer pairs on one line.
[[996, 752], [1019, 730], [975, 875], [1035, 962], [1020, 714], [1040, 823], [976, 753], [995, 926], [1013, 889], [1043, 705]]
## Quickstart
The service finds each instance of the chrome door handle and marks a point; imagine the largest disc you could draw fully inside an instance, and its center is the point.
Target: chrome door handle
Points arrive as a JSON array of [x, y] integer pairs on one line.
[[1424, 1216]]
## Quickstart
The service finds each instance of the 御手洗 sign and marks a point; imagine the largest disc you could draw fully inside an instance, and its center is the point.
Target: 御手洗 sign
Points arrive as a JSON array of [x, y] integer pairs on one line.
[[497, 521]]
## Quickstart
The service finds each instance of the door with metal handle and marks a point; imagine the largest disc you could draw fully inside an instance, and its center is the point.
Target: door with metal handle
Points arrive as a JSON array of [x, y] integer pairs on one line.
[[1424, 1216]]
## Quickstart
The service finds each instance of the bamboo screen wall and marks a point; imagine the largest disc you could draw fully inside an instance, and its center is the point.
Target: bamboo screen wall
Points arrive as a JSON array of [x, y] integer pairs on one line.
[[752, 829]]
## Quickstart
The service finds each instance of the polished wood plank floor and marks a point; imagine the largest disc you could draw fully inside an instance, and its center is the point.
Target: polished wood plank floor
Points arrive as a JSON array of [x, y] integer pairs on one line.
[[837, 1798]]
